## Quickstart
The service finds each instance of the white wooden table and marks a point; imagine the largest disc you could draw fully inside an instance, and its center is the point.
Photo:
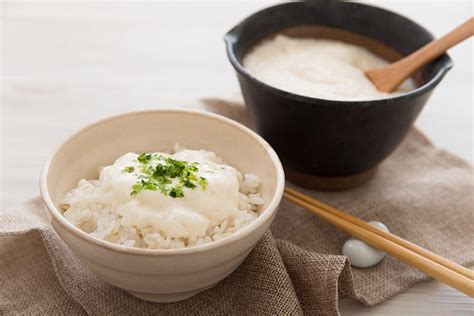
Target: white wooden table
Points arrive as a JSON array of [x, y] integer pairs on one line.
[[65, 64]]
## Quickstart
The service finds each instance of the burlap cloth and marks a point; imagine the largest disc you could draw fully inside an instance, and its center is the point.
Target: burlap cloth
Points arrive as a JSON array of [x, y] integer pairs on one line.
[[421, 193]]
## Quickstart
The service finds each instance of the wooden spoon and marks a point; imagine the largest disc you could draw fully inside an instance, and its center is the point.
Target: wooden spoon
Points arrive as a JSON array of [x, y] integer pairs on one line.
[[388, 78]]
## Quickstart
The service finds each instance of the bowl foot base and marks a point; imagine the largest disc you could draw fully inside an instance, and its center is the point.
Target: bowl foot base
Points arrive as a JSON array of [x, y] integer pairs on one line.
[[167, 298], [329, 183]]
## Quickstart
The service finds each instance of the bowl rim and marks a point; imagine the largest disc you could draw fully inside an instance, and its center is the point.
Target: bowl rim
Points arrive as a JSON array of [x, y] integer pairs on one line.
[[265, 215], [230, 41]]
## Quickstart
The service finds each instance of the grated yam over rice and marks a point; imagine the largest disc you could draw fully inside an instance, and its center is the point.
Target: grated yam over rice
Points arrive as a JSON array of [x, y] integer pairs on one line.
[[105, 209]]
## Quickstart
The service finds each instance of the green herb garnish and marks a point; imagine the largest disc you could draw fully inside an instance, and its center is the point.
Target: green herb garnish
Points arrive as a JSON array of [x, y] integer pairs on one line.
[[176, 192], [158, 173], [128, 169], [144, 158]]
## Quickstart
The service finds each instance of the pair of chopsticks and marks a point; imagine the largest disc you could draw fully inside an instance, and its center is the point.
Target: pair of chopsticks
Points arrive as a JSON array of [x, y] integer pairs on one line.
[[426, 261]]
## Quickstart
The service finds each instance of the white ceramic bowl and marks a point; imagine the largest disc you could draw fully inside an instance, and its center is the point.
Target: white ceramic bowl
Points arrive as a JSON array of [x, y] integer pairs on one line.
[[151, 274]]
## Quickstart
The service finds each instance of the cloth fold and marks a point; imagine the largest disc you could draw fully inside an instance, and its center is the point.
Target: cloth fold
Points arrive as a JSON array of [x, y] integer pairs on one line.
[[421, 193]]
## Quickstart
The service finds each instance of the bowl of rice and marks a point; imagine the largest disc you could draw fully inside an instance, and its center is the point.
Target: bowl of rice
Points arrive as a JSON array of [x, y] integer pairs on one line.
[[163, 203]]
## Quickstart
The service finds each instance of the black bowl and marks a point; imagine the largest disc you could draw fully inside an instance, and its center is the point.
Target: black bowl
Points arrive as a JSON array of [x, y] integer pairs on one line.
[[323, 143]]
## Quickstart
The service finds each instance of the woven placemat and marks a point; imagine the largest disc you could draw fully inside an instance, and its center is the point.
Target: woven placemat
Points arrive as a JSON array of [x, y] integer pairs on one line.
[[421, 193]]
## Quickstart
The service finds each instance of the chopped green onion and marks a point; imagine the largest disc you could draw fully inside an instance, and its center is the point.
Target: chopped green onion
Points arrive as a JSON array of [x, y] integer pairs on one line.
[[158, 173]]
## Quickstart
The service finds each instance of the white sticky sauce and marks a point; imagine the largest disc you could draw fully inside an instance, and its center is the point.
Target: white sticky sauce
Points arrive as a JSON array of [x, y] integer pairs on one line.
[[360, 254], [318, 68], [186, 217]]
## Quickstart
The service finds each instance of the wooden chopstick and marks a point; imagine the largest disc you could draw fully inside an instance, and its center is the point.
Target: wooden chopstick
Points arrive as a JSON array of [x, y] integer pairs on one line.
[[415, 248], [390, 245]]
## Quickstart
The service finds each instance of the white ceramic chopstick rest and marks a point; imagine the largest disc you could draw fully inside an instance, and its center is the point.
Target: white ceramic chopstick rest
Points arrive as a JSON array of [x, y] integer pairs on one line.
[[360, 254]]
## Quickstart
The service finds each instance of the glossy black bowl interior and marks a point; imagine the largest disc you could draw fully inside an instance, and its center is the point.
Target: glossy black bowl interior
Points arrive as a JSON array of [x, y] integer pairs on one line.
[[323, 139]]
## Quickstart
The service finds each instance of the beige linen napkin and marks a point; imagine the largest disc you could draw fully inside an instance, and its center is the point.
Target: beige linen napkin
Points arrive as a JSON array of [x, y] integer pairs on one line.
[[421, 193]]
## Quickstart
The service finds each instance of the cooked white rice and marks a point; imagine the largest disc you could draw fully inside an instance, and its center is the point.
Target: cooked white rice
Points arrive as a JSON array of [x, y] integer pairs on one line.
[[88, 208]]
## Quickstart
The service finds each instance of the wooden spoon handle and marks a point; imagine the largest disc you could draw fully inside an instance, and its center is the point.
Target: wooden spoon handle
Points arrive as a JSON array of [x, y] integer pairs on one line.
[[389, 78], [438, 47]]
